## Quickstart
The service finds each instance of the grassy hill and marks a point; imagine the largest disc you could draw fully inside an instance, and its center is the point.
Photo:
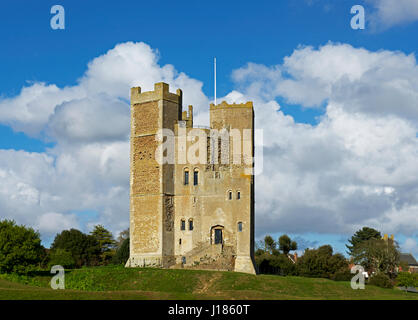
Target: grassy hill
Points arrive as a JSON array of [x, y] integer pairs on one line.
[[146, 283]]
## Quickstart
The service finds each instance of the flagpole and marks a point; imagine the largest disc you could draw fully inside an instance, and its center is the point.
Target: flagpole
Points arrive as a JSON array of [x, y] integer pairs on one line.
[[215, 78]]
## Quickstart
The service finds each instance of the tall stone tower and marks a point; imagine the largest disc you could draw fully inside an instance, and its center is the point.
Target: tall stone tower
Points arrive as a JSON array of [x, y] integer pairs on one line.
[[151, 184], [187, 214], [239, 117]]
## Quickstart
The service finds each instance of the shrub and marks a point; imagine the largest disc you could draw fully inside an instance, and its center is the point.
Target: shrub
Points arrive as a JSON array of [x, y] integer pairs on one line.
[[321, 262], [406, 279], [61, 257], [275, 264], [342, 275], [381, 280], [283, 265]]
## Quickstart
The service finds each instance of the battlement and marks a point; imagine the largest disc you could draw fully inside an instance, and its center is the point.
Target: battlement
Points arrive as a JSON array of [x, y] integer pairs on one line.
[[188, 117], [161, 92], [225, 105]]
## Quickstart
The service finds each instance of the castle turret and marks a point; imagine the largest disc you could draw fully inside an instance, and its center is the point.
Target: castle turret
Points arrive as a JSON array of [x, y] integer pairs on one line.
[[151, 182]]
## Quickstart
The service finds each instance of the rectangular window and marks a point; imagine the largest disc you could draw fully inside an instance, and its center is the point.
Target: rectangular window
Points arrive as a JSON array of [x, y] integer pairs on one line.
[[190, 224], [239, 226], [183, 225], [195, 178], [186, 178]]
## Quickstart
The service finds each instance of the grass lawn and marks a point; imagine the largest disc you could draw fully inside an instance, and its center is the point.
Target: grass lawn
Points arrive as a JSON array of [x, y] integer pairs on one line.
[[117, 282]]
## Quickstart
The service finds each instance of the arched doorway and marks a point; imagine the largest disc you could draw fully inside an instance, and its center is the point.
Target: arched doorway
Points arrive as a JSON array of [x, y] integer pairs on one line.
[[216, 236]]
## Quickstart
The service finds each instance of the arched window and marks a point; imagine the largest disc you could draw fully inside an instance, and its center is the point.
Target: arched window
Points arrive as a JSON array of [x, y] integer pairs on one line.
[[230, 195], [195, 177], [238, 195], [183, 224], [190, 224], [239, 226], [186, 177]]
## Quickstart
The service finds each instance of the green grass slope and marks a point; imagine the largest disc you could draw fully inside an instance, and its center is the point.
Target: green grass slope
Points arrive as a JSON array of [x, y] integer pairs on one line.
[[146, 283]]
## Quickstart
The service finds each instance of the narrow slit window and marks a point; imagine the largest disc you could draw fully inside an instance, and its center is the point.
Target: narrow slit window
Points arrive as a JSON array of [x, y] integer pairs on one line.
[[186, 178], [195, 177], [239, 226], [238, 195], [190, 225], [230, 195], [183, 225]]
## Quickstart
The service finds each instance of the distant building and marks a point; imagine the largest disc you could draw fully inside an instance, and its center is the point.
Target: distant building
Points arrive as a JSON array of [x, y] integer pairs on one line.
[[409, 259]]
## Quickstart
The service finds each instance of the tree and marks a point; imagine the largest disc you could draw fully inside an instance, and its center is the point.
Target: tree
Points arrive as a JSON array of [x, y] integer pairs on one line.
[[286, 244], [269, 244], [84, 248], [123, 235], [321, 262], [61, 257], [122, 253], [259, 247], [378, 255], [20, 248], [106, 243], [360, 236]]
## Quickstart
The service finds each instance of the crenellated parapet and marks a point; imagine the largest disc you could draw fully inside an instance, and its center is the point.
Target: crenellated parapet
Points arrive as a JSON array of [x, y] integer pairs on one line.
[[161, 92], [224, 104]]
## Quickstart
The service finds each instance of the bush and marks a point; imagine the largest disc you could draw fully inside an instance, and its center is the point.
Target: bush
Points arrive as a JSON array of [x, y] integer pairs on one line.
[[275, 264], [342, 275], [284, 266], [381, 280], [406, 279], [321, 262], [61, 257], [20, 248]]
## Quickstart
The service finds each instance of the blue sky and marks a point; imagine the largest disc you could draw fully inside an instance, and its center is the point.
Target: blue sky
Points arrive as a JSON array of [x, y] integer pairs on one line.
[[187, 35]]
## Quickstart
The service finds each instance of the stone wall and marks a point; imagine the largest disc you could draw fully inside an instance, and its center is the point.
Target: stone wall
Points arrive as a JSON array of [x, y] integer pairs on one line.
[[160, 200]]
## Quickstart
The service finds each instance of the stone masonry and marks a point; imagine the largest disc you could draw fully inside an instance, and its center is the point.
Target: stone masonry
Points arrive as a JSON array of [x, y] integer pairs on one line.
[[185, 215]]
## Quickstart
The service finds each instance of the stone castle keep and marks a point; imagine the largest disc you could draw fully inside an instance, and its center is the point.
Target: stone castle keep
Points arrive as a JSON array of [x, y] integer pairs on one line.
[[183, 214]]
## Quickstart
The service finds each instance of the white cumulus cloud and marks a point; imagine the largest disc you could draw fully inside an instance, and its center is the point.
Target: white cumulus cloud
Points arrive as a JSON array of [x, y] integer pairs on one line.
[[357, 166], [388, 13]]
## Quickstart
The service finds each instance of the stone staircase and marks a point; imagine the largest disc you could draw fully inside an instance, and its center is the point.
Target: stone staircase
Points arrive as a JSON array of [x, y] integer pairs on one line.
[[210, 257]]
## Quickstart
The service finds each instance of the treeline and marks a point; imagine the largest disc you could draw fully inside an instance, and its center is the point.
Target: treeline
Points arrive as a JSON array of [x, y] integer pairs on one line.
[[21, 250], [273, 258], [379, 256]]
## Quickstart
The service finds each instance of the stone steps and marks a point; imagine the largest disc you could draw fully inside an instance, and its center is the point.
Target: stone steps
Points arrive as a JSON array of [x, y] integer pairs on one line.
[[211, 257]]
